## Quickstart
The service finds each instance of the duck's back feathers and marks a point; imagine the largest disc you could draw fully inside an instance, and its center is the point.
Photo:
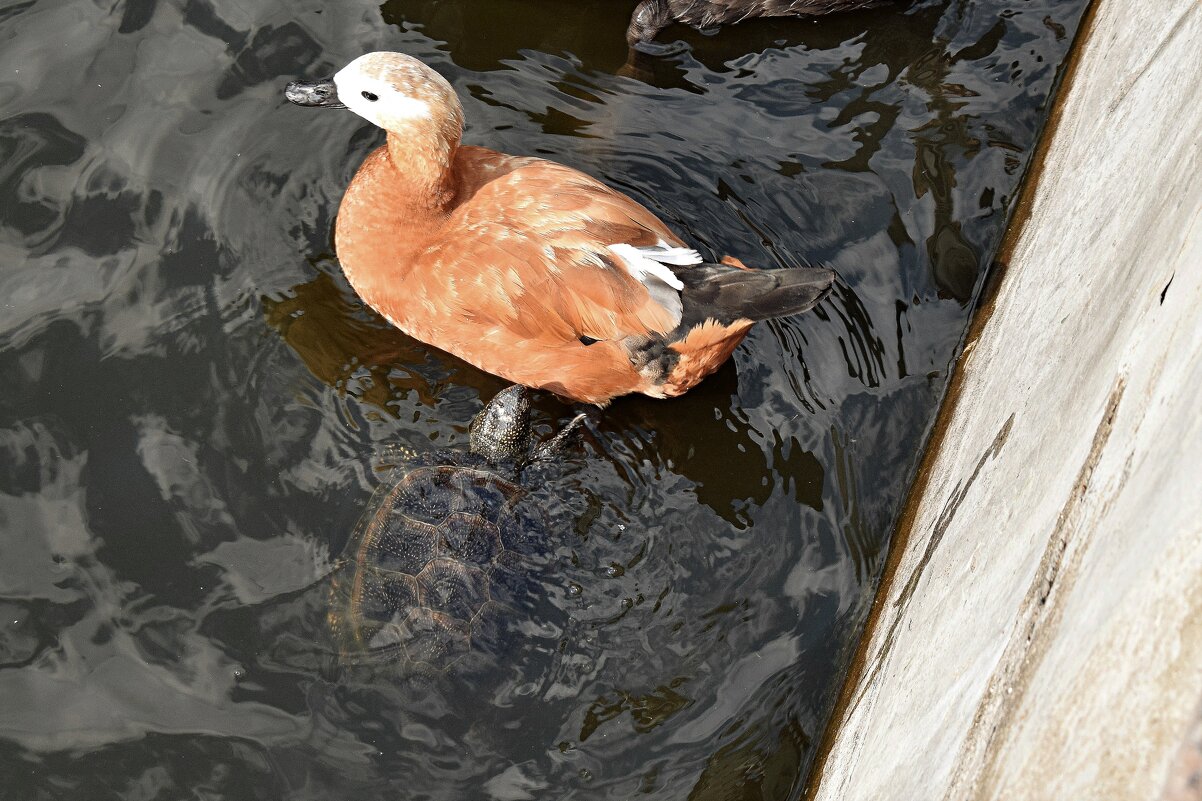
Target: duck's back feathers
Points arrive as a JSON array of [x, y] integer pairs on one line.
[[543, 244]]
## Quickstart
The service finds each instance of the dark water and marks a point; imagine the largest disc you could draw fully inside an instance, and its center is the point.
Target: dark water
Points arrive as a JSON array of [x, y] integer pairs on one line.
[[192, 396]]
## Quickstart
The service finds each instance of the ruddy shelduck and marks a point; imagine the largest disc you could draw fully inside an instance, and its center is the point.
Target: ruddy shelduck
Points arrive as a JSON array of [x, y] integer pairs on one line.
[[526, 268]]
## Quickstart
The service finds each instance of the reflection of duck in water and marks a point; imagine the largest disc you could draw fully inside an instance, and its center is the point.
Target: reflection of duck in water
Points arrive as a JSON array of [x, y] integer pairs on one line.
[[652, 16], [526, 268]]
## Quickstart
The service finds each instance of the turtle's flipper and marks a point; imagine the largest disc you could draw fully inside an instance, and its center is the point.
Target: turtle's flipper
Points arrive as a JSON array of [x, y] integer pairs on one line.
[[553, 447]]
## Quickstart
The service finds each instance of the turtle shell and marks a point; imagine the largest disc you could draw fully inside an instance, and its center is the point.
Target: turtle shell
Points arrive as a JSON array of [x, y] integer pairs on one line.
[[435, 564]]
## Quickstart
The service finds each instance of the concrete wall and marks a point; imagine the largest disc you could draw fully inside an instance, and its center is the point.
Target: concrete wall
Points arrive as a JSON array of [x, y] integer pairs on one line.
[[1039, 630]]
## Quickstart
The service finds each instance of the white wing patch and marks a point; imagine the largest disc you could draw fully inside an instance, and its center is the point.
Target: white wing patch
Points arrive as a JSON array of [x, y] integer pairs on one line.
[[646, 265], [647, 262], [670, 254]]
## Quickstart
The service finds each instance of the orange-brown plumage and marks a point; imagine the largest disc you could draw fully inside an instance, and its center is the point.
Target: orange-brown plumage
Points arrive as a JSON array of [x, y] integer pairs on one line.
[[510, 262]]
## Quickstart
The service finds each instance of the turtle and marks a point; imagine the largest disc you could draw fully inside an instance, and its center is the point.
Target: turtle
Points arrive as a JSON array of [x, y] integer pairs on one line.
[[436, 561]]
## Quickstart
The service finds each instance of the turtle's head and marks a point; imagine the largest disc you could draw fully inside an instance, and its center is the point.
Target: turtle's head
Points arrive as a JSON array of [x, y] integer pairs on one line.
[[501, 431]]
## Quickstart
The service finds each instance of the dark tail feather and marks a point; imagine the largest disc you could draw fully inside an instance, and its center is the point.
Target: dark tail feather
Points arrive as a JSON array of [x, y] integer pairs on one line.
[[726, 294]]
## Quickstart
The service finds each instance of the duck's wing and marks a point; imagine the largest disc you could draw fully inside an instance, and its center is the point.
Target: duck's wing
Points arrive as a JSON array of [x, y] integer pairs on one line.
[[547, 251]]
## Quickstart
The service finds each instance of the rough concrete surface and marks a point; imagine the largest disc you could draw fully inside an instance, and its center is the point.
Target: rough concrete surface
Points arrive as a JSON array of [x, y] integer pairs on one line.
[[1040, 633]]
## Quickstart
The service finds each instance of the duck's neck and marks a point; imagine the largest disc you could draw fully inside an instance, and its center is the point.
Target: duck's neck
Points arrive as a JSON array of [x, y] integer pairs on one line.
[[423, 172], [395, 206]]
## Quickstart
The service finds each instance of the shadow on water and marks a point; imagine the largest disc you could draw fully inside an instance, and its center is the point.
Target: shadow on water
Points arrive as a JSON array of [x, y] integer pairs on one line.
[[194, 398]]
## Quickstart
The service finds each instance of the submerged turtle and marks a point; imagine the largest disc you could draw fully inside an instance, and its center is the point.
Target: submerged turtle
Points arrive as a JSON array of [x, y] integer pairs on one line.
[[436, 562]]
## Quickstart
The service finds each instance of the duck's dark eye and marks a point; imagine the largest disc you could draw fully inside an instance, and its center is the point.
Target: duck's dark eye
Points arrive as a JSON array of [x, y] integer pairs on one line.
[[370, 96]]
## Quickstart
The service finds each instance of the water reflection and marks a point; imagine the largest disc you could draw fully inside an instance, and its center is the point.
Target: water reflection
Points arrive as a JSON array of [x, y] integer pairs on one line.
[[194, 399]]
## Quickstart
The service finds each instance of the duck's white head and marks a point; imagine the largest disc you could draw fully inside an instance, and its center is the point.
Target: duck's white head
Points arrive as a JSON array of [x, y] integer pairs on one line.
[[392, 90]]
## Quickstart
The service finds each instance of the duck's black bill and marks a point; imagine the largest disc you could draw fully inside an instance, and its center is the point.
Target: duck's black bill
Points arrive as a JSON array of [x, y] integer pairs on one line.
[[321, 93]]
